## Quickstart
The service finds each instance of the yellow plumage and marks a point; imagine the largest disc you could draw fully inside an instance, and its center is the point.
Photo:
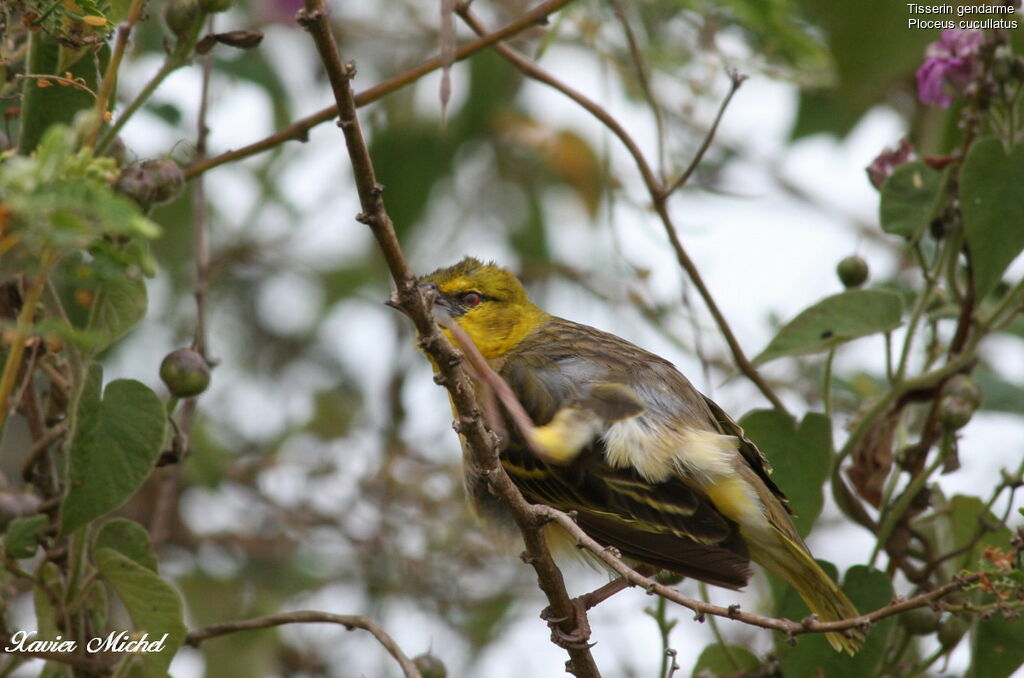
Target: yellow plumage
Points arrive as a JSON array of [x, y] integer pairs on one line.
[[649, 465]]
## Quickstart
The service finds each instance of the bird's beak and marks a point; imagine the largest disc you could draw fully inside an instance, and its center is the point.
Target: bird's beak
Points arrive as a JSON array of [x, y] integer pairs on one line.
[[442, 308]]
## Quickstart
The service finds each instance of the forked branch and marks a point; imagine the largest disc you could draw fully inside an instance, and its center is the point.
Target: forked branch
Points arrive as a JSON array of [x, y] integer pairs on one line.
[[567, 618]]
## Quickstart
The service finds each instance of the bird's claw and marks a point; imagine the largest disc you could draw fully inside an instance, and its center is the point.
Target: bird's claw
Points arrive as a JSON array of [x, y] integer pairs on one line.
[[576, 639]]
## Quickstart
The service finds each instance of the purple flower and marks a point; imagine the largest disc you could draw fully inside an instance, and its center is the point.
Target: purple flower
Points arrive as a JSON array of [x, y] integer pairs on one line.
[[949, 61], [881, 168]]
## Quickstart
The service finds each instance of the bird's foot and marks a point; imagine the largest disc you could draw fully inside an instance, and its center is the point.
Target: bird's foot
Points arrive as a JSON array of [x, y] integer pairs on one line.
[[577, 637]]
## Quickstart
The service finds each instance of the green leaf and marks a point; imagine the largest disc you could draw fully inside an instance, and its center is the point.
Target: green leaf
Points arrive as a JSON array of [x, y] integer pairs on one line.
[[116, 442], [993, 209], [120, 303], [1000, 395], [20, 539], [801, 457], [127, 538], [727, 660], [153, 605], [997, 649], [909, 200], [969, 517], [391, 147], [834, 321], [869, 590], [872, 51]]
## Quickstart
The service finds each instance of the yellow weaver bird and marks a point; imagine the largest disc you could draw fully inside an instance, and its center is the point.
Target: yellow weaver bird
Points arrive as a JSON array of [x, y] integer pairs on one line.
[[650, 465]]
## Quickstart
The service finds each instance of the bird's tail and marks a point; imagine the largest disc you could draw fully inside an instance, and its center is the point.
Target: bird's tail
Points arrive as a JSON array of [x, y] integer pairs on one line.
[[791, 561]]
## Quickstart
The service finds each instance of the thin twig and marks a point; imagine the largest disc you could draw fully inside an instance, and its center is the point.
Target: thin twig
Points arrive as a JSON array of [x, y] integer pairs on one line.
[[350, 622], [124, 31], [51, 435], [644, 78], [20, 336], [735, 80], [299, 130], [654, 188], [76, 83], [567, 618], [786, 626]]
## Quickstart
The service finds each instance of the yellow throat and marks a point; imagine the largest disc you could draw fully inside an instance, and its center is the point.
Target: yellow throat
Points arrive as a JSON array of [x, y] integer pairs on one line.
[[488, 303]]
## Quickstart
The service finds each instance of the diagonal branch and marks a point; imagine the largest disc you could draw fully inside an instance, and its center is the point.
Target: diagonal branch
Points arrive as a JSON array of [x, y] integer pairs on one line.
[[480, 442], [298, 130], [349, 621], [658, 194], [701, 608]]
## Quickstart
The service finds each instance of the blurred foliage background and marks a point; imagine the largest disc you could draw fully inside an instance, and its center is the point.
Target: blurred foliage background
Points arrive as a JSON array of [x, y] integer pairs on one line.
[[321, 472]]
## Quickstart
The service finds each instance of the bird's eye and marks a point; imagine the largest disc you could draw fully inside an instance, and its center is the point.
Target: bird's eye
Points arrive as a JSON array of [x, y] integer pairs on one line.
[[470, 298]]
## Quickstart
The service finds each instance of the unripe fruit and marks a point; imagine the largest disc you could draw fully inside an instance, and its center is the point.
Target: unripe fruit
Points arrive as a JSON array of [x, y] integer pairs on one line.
[[852, 271], [134, 183], [181, 16], [964, 386], [185, 373], [954, 412], [151, 183], [952, 630], [920, 621], [117, 150], [430, 666], [167, 178]]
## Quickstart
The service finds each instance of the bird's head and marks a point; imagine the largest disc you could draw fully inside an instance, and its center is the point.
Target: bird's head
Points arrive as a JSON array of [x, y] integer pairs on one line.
[[488, 302]]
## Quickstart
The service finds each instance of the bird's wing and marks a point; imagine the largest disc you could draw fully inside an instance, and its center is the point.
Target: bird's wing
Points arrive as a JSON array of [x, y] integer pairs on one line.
[[751, 454], [668, 524]]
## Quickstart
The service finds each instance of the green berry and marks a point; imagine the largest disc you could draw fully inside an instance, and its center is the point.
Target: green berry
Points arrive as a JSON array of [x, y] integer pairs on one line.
[[920, 621], [954, 412], [185, 373], [136, 184], [117, 150], [181, 16], [952, 630], [852, 271], [167, 179], [964, 386], [151, 183], [430, 666]]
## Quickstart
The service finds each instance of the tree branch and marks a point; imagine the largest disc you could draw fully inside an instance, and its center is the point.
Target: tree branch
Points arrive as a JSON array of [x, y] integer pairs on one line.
[[298, 130], [481, 443], [350, 622], [787, 626]]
